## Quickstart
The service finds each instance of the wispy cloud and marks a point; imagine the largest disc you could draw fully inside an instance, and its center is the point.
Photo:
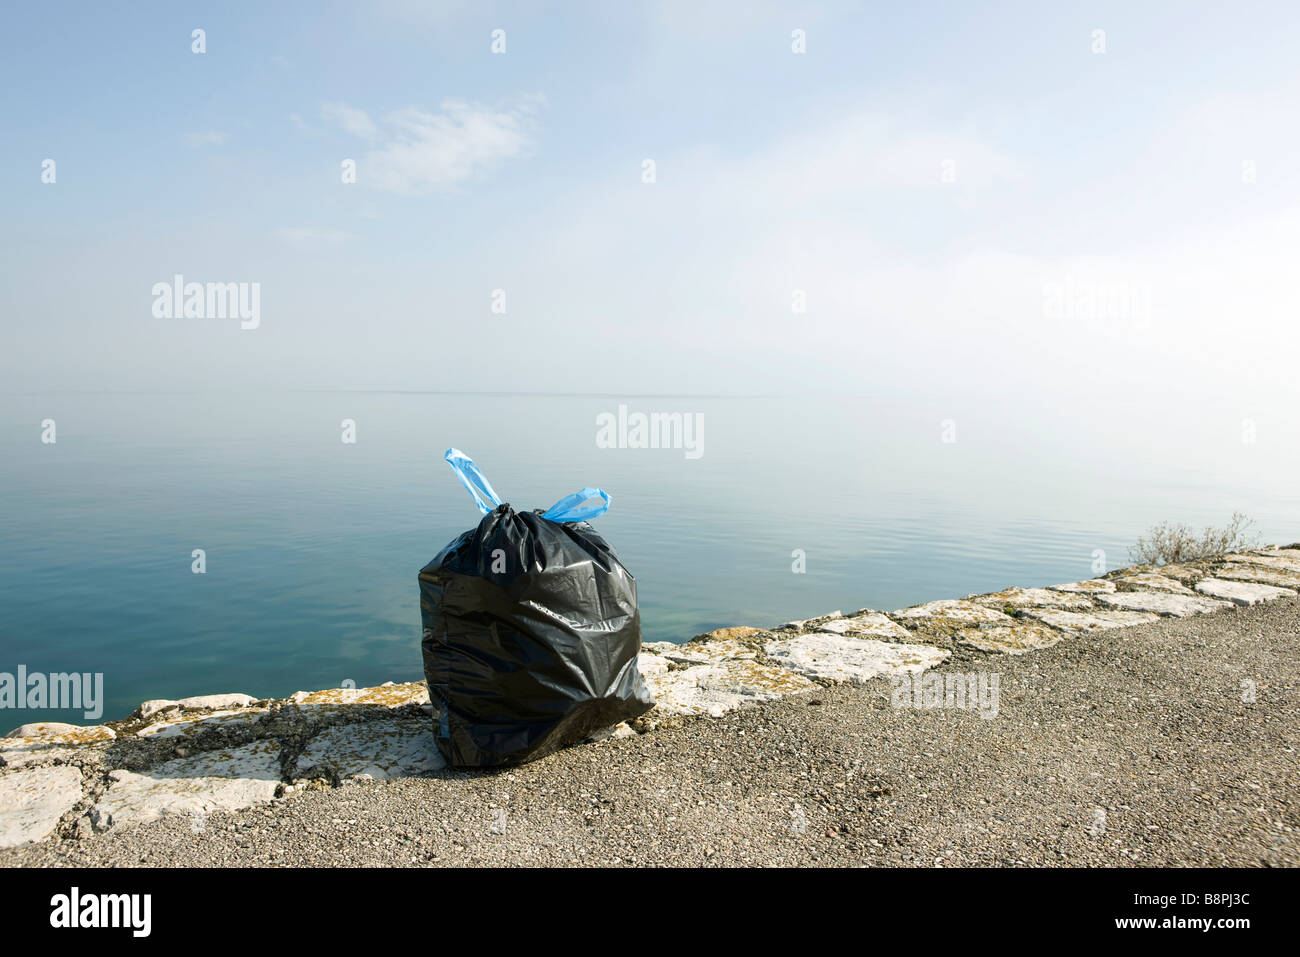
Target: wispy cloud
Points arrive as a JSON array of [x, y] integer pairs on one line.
[[351, 120], [418, 151], [205, 138]]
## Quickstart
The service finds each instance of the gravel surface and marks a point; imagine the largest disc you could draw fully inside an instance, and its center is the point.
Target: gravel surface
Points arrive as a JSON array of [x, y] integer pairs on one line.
[[1131, 746]]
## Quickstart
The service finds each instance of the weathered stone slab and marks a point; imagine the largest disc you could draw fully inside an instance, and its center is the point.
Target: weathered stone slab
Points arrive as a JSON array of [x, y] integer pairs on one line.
[[721, 644], [48, 733], [1034, 598], [215, 702], [650, 664], [1150, 581], [1092, 586], [868, 625], [228, 779], [32, 801], [42, 729], [812, 624], [701, 652], [1273, 559], [386, 696], [381, 749], [1242, 593], [206, 702], [1244, 572], [728, 634], [1162, 603], [19, 751], [1092, 620], [954, 611], [715, 689], [716, 645], [1010, 639], [855, 660], [182, 724], [1188, 573]]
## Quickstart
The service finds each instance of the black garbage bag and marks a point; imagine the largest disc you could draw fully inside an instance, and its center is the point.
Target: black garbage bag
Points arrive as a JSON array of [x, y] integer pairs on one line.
[[531, 630]]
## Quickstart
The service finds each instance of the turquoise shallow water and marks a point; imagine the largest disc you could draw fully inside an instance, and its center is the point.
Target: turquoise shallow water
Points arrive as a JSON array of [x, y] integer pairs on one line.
[[313, 545]]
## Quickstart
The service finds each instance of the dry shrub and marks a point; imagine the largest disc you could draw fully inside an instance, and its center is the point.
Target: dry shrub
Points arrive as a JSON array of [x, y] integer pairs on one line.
[[1167, 543]]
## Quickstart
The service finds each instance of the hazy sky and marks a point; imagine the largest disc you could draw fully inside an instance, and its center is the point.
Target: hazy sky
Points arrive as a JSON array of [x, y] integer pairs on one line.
[[968, 201]]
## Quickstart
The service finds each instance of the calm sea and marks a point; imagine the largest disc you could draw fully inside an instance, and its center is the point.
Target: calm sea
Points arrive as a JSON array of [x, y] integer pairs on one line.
[[312, 544]]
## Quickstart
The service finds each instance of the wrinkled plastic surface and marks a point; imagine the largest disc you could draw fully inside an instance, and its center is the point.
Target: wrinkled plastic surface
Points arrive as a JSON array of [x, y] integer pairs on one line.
[[531, 633]]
